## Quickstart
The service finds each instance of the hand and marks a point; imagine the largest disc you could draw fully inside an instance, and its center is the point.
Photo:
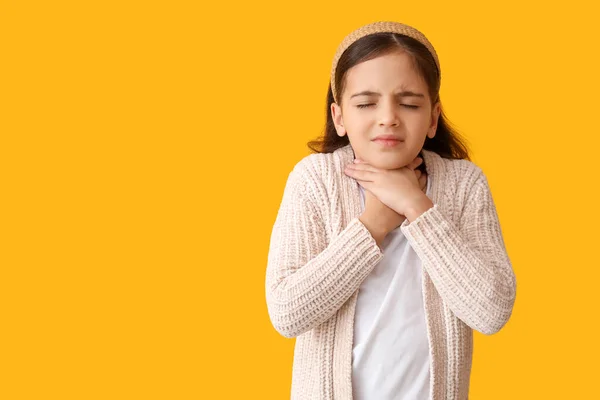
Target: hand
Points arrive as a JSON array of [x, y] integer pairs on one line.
[[400, 189], [378, 218], [422, 177]]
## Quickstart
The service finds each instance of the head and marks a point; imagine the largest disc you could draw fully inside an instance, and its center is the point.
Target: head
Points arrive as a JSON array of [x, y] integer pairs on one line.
[[387, 84]]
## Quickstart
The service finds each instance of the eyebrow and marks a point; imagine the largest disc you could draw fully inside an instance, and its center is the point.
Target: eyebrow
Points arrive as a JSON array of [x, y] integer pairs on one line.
[[405, 93]]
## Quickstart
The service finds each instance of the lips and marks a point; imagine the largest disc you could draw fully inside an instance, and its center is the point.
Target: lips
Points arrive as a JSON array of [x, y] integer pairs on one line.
[[388, 140], [388, 137]]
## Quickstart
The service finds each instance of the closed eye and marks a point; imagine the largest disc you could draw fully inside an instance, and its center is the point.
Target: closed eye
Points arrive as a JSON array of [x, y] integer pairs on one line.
[[371, 104]]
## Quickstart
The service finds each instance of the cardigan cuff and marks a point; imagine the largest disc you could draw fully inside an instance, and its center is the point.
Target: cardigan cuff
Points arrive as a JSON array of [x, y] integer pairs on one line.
[[431, 221], [366, 242]]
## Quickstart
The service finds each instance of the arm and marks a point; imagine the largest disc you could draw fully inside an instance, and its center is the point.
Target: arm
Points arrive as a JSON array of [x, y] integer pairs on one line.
[[307, 279], [468, 264]]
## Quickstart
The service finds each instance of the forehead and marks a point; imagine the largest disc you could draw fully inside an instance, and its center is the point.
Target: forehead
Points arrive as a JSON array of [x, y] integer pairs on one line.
[[387, 72]]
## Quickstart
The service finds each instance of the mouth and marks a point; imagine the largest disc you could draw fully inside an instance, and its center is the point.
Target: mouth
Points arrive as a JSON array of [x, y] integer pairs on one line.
[[388, 140]]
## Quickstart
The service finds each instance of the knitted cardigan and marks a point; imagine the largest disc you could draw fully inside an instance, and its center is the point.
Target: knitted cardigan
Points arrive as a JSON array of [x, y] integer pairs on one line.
[[320, 253]]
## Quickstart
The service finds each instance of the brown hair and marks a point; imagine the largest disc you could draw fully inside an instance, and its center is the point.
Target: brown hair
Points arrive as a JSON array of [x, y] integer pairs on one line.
[[447, 142]]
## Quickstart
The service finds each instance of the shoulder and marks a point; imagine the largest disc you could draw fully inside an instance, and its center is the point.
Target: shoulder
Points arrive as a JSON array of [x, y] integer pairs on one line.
[[459, 180], [319, 168], [453, 172], [470, 186], [321, 163], [464, 171], [317, 175], [312, 164]]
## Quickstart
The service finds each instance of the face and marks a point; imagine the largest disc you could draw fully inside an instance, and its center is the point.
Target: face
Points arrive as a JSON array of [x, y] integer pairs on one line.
[[386, 96]]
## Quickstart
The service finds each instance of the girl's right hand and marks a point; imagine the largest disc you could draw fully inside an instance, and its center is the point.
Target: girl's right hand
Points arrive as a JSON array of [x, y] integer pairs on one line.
[[378, 218]]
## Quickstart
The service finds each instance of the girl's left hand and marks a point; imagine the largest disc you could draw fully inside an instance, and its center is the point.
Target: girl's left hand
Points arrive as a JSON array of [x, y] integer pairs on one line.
[[399, 189]]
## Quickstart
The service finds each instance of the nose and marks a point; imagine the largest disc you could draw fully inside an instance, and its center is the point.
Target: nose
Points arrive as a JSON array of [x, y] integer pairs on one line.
[[388, 115]]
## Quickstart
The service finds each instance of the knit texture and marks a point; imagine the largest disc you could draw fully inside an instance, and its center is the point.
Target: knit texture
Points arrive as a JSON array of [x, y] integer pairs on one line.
[[379, 27], [320, 253]]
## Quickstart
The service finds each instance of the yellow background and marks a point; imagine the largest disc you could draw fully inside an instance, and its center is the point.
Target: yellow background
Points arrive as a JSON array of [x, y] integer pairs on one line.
[[145, 148]]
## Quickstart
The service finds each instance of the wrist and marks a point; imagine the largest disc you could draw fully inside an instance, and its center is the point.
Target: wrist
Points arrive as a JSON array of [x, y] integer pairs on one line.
[[373, 227], [418, 206]]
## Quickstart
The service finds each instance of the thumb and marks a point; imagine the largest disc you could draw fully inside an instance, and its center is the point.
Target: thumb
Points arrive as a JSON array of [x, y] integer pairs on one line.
[[415, 163]]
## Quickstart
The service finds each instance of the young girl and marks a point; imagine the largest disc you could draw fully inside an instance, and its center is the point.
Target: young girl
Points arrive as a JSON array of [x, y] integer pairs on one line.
[[387, 250]]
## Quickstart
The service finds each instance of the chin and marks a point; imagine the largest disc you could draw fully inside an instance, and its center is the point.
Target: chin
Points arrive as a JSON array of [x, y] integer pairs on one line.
[[389, 162], [389, 159], [390, 165]]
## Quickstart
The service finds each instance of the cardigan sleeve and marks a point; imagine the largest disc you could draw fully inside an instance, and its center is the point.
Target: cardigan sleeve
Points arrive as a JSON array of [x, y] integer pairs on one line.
[[467, 263], [309, 277]]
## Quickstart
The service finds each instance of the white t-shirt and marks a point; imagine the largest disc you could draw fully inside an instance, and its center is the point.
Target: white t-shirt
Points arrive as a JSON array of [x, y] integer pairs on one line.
[[390, 357]]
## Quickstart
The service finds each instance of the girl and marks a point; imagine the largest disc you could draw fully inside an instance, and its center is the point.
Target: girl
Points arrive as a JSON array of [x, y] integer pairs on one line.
[[386, 251]]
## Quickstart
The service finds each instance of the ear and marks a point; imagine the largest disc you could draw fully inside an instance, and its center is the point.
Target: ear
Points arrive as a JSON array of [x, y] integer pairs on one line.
[[435, 114], [338, 121]]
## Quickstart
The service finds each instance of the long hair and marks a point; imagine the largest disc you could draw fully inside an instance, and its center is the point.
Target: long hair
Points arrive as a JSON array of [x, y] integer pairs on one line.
[[447, 142]]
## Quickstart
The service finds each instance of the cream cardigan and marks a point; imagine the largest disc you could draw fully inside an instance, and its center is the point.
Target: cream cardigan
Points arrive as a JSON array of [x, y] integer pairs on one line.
[[320, 253]]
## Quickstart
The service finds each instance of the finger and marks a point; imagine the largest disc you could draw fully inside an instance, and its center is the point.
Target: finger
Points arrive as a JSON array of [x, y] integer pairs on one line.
[[418, 173], [360, 175], [366, 185], [415, 163], [359, 161], [423, 182], [362, 167]]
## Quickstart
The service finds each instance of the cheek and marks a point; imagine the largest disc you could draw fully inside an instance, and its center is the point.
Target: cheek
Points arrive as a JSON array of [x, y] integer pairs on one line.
[[417, 120], [358, 128], [354, 121], [418, 127]]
